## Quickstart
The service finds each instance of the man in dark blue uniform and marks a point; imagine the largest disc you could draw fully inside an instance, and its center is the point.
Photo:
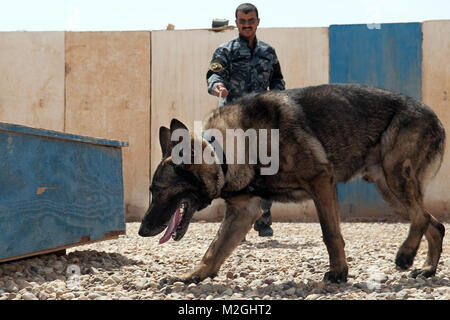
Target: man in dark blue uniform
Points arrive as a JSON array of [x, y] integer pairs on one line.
[[245, 65]]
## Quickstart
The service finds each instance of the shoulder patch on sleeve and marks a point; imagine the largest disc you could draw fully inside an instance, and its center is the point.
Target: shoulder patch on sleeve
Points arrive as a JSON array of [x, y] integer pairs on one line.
[[215, 67]]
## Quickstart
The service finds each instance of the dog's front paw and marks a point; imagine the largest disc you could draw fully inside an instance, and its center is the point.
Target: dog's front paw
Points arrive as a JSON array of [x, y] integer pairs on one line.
[[167, 281], [190, 278], [196, 276], [335, 277], [404, 261], [425, 272]]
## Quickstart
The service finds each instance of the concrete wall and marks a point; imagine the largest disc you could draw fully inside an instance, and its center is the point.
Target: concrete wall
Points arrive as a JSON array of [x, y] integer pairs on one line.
[[108, 96], [32, 79], [436, 94], [89, 83]]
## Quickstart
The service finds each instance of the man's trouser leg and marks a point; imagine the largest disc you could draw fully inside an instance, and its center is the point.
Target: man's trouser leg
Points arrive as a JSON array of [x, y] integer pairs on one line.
[[263, 224]]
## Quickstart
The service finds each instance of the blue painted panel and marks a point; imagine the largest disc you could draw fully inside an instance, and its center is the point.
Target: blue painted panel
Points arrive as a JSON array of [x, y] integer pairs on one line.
[[57, 189], [389, 57]]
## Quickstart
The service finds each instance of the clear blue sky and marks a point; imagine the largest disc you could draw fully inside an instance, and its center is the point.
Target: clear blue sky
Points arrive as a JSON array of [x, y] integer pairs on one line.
[[93, 15]]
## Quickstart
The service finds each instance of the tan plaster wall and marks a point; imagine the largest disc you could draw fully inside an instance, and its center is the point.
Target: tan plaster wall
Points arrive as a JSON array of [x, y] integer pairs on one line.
[[32, 79], [436, 94], [108, 96], [180, 60], [303, 54]]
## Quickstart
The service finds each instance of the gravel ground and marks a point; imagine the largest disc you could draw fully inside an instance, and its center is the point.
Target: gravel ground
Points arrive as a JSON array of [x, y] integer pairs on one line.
[[290, 265]]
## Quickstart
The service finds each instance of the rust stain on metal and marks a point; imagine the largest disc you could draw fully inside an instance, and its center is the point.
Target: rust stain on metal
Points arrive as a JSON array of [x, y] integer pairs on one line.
[[114, 233], [41, 190], [85, 238]]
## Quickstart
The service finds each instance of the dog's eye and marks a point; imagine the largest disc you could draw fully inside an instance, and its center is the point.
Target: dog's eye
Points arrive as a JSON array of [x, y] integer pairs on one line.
[[154, 188]]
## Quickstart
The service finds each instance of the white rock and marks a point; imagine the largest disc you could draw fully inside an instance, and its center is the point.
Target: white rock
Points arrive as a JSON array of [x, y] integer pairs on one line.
[[93, 295], [109, 281], [68, 296], [140, 283], [43, 295], [236, 296], [29, 296], [180, 284], [313, 297]]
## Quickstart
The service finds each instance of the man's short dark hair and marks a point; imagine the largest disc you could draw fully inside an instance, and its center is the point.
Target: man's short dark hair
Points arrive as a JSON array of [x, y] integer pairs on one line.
[[246, 8]]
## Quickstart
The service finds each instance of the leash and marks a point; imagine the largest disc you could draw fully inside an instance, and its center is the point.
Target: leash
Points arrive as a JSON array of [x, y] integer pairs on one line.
[[221, 100]]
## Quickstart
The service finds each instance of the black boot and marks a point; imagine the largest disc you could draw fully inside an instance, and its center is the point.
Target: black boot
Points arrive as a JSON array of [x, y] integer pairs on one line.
[[263, 225]]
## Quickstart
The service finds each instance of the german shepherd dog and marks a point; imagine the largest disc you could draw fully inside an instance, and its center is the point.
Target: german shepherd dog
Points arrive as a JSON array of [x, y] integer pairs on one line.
[[327, 134]]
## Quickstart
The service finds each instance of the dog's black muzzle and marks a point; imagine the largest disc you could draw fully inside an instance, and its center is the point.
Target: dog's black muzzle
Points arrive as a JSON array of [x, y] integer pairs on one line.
[[153, 224]]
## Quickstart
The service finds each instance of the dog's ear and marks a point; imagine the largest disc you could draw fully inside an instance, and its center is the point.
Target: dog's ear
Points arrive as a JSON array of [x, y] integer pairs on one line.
[[174, 125], [164, 141], [177, 124]]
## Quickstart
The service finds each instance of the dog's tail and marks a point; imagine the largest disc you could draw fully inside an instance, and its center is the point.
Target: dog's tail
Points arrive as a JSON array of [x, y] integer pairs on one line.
[[417, 134]]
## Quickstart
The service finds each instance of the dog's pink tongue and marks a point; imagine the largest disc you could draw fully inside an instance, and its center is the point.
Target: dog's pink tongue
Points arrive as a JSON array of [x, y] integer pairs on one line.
[[172, 225]]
